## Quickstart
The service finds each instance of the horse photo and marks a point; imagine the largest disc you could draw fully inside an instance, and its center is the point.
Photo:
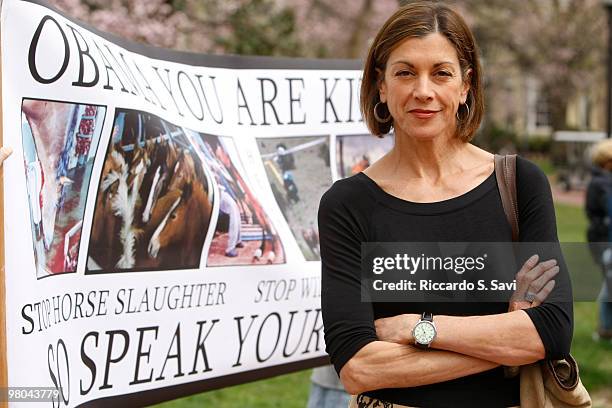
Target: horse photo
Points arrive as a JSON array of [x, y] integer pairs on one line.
[[154, 202]]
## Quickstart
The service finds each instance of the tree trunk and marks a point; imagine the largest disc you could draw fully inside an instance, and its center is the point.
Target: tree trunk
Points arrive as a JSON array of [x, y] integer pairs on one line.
[[558, 113], [356, 43]]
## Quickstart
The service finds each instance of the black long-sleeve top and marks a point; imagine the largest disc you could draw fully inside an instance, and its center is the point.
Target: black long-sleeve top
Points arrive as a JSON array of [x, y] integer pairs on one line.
[[356, 210]]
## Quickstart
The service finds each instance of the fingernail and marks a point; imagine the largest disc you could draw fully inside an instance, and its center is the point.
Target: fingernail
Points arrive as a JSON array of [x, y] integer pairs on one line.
[[533, 259], [555, 270]]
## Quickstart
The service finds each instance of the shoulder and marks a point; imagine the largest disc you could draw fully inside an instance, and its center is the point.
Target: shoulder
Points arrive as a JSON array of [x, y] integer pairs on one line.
[[527, 172], [349, 201], [351, 192], [537, 220], [533, 190], [530, 179], [532, 187]]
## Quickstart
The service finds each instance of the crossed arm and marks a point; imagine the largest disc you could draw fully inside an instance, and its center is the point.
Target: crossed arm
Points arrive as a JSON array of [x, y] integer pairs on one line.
[[464, 346], [400, 365]]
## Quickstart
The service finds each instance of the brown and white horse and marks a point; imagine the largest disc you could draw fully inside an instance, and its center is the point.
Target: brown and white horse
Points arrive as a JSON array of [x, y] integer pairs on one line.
[[163, 156], [185, 216], [104, 247], [127, 204], [184, 171], [179, 218], [117, 204]]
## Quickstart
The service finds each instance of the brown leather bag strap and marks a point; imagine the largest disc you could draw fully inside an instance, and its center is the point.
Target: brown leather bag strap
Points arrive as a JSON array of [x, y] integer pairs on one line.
[[505, 172]]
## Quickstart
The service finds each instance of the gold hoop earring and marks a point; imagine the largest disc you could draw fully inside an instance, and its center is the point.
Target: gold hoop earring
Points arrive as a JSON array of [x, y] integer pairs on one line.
[[378, 118]]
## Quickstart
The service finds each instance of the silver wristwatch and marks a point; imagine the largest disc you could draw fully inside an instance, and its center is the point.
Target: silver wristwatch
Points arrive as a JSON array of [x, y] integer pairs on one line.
[[424, 332]]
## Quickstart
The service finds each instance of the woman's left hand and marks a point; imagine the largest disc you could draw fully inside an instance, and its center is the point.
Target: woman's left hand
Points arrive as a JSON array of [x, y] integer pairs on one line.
[[396, 329], [535, 278]]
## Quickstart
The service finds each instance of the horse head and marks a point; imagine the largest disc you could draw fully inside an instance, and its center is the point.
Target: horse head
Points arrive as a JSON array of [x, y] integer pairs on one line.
[[184, 171], [164, 215], [172, 153], [157, 185], [183, 216]]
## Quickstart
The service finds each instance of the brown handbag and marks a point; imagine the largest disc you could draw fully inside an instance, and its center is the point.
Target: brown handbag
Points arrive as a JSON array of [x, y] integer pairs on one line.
[[547, 383]]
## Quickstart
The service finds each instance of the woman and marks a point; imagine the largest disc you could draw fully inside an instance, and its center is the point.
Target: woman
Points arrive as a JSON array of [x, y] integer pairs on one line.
[[422, 78]]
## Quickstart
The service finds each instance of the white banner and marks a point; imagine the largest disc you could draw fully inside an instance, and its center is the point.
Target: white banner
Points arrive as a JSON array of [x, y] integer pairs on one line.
[[160, 210]]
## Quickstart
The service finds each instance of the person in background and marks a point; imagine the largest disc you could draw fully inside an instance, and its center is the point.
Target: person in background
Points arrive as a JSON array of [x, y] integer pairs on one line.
[[228, 206], [284, 159], [326, 389], [598, 209]]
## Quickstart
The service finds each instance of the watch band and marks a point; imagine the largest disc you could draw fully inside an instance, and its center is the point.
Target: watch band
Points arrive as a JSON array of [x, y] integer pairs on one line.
[[428, 317]]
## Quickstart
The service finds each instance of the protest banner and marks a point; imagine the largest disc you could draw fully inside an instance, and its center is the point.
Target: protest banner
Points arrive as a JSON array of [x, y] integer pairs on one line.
[[160, 232]]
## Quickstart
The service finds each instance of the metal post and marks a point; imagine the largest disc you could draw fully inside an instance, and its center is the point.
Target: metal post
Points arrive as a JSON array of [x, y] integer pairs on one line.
[[608, 5]]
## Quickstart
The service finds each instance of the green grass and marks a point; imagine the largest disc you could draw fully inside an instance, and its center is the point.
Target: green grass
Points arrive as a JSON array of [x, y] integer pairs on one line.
[[594, 358], [286, 391], [544, 163], [571, 223], [289, 391]]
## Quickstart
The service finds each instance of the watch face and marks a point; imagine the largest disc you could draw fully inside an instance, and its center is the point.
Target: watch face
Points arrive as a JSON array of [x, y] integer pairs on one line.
[[424, 332]]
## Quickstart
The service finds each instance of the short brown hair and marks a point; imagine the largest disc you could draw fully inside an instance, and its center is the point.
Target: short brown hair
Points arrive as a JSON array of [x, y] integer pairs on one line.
[[413, 21]]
